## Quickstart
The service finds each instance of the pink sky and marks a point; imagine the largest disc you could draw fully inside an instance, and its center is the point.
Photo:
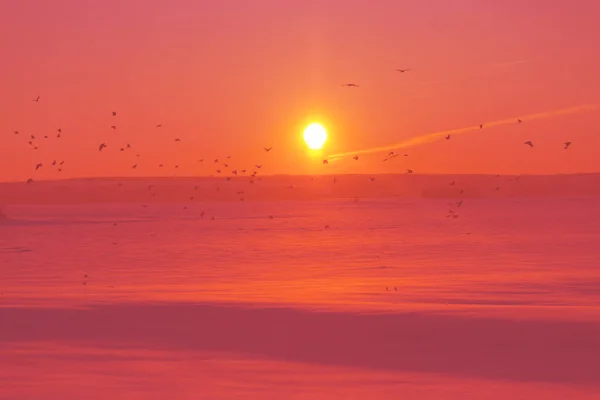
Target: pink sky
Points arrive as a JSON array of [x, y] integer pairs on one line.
[[230, 77]]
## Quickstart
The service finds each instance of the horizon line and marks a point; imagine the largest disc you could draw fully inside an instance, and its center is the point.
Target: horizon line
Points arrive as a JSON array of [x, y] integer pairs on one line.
[[297, 175]]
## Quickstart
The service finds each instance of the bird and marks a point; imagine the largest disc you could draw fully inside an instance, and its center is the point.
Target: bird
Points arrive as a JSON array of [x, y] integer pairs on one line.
[[325, 162], [30, 180], [350, 85], [355, 157], [447, 137], [102, 145], [38, 166], [177, 140], [567, 144], [200, 160], [134, 166], [16, 132], [258, 166], [113, 127], [128, 146], [160, 166], [519, 120], [159, 125], [54, 162], [402, 70], [59, 130], [267, 149], [409, 171], [114, 113], [372, 178], [480, 126], [529, 143], [37, 99]]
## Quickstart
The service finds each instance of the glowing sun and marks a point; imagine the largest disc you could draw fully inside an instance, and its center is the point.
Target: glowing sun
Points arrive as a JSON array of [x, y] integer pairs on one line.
[[315, 136]]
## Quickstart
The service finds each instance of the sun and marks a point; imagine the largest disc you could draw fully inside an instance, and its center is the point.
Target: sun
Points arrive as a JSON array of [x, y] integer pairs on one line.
[[315, 136]]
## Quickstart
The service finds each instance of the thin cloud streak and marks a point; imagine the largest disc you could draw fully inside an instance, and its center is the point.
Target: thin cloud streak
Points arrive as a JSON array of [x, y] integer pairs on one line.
[[511, 63], [430, 137]]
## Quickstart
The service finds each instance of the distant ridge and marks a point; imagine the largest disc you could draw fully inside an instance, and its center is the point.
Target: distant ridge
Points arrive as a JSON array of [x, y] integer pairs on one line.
[[296, 187]]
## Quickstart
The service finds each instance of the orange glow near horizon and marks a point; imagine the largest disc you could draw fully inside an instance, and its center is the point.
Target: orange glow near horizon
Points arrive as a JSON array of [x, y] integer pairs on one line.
[[233, 84]]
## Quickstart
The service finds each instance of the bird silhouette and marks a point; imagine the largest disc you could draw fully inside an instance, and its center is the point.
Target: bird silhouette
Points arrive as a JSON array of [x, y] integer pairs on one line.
[[37, 99], [355, 157], [567, 144], [267, 149], [350, 85], [114, 113], [403, 70], [102, 146], [447, 137], [38, 166], [409, 171], [529, 143], [325, 162]]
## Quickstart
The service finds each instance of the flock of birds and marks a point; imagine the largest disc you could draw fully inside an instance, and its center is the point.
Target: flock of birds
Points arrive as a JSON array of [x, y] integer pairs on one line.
[[221, 165]]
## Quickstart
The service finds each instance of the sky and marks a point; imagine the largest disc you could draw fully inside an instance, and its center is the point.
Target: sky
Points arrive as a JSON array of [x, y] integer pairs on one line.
[[229, 78]]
